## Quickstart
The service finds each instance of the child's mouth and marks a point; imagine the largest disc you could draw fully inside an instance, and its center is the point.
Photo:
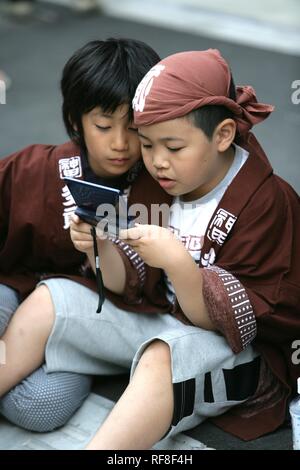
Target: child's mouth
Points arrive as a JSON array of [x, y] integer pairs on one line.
[[166, 183]]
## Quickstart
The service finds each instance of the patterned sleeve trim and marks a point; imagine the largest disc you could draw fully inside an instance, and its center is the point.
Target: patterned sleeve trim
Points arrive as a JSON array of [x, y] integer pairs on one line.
[[134, 259], [229, 307]]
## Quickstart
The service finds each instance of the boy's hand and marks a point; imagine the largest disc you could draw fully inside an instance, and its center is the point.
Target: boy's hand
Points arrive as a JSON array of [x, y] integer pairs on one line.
[[80, 233], [157, 246]]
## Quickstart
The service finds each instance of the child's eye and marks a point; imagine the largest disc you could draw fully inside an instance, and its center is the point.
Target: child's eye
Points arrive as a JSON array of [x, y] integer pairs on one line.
[[102, 128], [174, 149], [146, 146]]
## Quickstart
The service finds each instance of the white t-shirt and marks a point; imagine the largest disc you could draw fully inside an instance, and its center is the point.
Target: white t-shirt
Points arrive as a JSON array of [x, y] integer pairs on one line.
[[189, 220]]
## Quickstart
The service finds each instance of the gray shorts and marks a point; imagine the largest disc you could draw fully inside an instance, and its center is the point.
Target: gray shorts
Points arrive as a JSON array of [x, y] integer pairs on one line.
[[208, 378]]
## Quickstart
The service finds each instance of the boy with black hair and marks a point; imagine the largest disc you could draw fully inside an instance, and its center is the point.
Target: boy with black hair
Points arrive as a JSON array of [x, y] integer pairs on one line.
[[98, 84], [209, 331]]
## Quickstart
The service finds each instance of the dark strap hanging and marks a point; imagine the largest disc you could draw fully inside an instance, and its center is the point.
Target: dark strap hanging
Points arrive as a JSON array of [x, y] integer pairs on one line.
[[99, 280]]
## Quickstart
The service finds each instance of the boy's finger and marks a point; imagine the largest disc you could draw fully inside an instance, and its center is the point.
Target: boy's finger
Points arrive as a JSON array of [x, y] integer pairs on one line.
[[83, 245], [130, 234], [77, 235], [80, 227], [101, 234], [75, 219]]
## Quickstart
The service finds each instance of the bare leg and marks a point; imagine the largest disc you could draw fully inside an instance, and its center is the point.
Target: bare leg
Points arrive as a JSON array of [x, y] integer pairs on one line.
[[26, 337], [144, 412]]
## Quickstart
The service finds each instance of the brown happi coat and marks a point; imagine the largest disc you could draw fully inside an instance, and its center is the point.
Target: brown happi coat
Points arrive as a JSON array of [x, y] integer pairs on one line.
[[34, 213]]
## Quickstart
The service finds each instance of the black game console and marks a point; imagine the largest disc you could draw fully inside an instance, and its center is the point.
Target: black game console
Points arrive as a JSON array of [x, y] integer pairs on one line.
[[100, 204]]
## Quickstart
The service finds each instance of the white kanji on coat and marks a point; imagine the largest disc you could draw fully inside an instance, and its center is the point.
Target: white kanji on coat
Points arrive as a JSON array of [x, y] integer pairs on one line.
[[70, 167], [69, 206], [222, 220]]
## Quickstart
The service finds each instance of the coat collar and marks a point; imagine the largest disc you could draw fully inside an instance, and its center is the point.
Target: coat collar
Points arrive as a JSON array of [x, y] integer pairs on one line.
[[251, 176]]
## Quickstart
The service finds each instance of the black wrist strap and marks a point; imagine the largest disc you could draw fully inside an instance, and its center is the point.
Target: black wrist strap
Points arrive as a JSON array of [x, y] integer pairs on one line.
[[99, 280]]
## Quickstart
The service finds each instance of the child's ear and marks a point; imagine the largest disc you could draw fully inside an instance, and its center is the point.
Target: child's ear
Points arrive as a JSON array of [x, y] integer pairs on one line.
[[225, 134]]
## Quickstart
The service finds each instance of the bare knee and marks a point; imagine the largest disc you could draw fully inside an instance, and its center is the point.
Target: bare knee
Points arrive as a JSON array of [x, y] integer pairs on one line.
[[157, 353], [36, 310]]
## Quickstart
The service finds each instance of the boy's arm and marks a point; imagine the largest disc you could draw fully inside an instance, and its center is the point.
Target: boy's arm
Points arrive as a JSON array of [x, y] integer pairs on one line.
[[159, 248], [202, 294], [186, 278], [212, 298], [111, 263], [123, 271]]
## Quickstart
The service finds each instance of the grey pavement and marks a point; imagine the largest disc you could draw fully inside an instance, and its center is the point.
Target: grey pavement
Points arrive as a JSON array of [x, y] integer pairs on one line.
[[33, 52]]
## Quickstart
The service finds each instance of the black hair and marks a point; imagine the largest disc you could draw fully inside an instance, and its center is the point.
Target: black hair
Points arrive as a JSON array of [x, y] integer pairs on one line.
[[102, 73], [208, 117]]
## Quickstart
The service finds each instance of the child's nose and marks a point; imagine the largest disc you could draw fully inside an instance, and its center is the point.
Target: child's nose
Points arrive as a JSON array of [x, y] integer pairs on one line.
[[159, 161], [120, 141]]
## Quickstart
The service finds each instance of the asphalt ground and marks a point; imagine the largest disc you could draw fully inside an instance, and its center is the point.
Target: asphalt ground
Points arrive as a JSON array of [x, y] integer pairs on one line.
[[33, 52]]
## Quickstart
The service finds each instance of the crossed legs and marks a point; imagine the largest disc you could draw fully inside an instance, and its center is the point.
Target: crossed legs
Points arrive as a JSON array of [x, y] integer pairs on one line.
[[144, 412]]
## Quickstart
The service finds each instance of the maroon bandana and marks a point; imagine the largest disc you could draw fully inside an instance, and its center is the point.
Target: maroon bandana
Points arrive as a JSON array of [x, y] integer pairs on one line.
[[189, 80]]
